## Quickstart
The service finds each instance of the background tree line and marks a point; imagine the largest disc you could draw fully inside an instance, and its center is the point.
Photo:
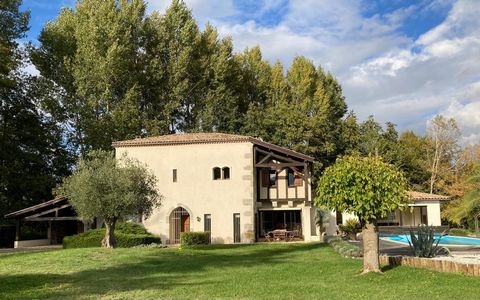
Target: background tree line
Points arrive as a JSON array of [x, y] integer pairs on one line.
[[33, 153], [110, 71]]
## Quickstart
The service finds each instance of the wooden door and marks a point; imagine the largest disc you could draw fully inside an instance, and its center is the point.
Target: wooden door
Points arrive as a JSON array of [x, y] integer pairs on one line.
[[236, 228], [185, 223]]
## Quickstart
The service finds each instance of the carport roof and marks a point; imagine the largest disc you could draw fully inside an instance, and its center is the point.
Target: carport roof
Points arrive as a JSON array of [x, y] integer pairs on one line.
[[35, 212]]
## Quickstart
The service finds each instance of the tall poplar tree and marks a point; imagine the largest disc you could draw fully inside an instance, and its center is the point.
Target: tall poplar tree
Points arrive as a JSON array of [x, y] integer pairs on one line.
[[220, 85], [91, 58]]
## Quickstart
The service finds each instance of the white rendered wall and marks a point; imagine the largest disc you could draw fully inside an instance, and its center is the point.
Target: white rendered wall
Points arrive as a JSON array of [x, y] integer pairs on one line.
[[195, 189]]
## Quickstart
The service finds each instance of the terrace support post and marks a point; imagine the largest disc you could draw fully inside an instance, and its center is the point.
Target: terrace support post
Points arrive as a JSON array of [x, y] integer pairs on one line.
[[49, 233]]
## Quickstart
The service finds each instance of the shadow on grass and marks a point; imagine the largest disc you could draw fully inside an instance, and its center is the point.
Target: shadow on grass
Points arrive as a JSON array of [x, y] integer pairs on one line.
[[158, 269], [388, 268], [220, 246]]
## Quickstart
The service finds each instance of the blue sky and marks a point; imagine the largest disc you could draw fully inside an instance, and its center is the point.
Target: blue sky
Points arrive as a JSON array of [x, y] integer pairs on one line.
[[400, 60]]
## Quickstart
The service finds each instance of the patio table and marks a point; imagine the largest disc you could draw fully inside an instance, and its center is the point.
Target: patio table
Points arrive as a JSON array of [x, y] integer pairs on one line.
[[279, 235]]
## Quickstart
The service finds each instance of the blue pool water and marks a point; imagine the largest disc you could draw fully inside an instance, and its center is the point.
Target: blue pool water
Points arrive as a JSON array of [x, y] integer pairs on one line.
[[445, 240]]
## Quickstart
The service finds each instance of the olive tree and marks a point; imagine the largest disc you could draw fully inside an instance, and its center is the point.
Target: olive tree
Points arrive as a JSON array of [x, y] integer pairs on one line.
[[368, 187], [108, 188]]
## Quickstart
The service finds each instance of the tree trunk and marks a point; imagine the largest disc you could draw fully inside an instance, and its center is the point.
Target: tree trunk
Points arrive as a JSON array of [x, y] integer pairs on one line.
[[371, 261], [109, 240]]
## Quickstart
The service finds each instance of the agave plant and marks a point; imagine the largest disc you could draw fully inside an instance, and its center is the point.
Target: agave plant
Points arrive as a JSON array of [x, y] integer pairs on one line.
[[423, 242]]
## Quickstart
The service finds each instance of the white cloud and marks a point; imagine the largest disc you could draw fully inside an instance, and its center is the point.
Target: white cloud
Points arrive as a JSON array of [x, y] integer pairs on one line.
[[438, 73], [467, 114], [203, 10], [383, 72]]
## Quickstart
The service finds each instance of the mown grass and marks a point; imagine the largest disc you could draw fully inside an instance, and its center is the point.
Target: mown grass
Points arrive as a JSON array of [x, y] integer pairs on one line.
[[260, 271]]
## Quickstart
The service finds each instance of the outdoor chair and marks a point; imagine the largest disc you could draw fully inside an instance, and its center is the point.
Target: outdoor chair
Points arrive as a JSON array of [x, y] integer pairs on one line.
[[269, 236]]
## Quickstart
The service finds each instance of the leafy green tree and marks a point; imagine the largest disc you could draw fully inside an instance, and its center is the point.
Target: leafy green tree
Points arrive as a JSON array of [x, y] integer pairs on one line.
[[176, 57], [13, 25], [377, 141], [111, 189], [350, 137], [255, 77], [469, 205], [221, 107], [444, 135], [90, 58], [303, 111], [33, 156], [413, 156], [368, 187]]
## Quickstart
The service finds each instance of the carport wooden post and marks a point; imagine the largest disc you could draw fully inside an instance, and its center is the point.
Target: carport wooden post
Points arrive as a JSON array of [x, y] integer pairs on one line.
[[49, 233], [17, 230]]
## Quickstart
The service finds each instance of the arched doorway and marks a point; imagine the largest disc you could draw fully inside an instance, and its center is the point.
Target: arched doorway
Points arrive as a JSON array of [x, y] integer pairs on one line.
[[179, 222]]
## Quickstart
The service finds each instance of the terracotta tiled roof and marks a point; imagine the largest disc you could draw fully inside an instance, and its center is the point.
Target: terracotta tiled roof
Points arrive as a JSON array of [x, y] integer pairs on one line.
[[420, 196], [183, 138], [203, 138]]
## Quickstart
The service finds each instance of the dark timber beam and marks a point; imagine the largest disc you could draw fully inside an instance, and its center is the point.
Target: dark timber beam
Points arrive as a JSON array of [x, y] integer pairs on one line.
[[266, 158], [279, 165], [275, 155], [56, 209], [55, 219]]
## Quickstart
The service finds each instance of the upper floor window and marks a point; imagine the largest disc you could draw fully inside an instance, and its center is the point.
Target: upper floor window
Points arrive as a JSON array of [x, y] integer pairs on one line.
[[174, 175], [272, 178], [294, 178], [269, 178], [221, 173], [217, 173], [225, 173]]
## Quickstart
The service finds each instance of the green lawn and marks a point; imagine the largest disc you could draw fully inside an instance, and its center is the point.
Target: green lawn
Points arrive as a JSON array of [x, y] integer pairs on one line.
[[269, 271]]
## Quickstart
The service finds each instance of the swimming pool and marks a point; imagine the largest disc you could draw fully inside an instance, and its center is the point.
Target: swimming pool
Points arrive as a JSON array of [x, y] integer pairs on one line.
[[445, 240]]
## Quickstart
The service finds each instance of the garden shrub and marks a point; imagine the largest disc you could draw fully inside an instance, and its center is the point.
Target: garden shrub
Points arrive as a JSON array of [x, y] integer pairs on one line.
[[194, 238], [127, 235], [343, 247], [130, 228], [460, 232], [351, 228]]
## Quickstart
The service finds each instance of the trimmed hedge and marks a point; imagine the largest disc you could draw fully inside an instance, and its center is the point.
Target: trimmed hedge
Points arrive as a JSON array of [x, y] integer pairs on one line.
[[130, 228], [194, 238], [127, 235], [7, 236], [343, 247]]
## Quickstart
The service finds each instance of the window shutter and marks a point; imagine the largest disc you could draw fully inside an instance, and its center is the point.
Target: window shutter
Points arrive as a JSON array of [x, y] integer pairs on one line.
[[265, 178]]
